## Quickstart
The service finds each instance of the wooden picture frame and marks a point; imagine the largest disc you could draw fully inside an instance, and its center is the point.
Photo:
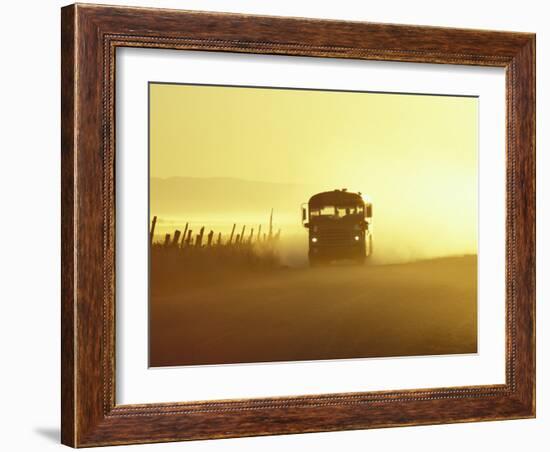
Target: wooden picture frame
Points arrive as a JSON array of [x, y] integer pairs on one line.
[[90, 36]]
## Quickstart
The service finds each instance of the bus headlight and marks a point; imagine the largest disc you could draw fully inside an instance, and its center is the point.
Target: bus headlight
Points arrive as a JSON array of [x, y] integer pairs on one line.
[[356, 238], [314, 239]]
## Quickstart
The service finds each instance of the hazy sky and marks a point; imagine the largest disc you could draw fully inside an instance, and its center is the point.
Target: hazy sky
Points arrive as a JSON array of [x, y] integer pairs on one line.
[[414, 155]]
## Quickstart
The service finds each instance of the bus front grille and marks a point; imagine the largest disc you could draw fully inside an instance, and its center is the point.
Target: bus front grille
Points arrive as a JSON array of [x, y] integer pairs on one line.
[[335, 237]]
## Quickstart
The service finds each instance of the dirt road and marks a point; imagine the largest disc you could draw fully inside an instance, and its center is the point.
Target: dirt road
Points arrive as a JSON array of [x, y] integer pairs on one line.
[[421, 308]]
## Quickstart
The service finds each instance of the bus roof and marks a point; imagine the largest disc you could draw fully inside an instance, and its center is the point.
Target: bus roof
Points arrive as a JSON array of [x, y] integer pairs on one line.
[[335, 197]]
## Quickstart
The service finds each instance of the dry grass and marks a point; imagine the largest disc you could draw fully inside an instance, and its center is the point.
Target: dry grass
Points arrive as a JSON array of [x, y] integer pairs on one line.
[[174, 269]]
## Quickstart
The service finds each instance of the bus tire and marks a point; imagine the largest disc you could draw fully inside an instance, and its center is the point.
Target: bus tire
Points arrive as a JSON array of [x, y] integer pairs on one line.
[[315, 261]]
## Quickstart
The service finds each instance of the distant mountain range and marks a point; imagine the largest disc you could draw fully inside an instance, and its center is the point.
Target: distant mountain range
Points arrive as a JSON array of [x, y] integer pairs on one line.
[[182, 196]]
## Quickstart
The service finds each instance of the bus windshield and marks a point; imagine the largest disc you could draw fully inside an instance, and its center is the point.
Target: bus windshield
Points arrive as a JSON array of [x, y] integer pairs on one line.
[[336, 212]]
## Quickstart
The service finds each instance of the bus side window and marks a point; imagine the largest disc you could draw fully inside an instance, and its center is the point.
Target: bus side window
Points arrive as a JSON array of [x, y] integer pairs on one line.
[[368, 212]]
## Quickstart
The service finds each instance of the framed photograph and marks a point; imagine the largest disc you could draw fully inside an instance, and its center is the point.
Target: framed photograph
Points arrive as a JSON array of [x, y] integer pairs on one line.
[[280, 225]]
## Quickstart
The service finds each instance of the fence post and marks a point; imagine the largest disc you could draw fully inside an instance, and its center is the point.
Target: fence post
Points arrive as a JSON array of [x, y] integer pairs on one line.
[[152, 233], [251, 235], [184, 234], [177, 234], [271, 224], [219, 238], [259, 233], [232, 232], [242, 234], [210, 235], [167, 240], [199, 237], [189, 235]]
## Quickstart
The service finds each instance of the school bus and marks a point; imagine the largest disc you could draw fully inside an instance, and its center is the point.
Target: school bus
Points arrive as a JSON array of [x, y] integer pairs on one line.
[[340, 227]]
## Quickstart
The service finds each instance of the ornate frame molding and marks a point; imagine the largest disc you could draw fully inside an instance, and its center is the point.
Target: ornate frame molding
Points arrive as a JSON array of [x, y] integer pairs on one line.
[[90, 37]]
